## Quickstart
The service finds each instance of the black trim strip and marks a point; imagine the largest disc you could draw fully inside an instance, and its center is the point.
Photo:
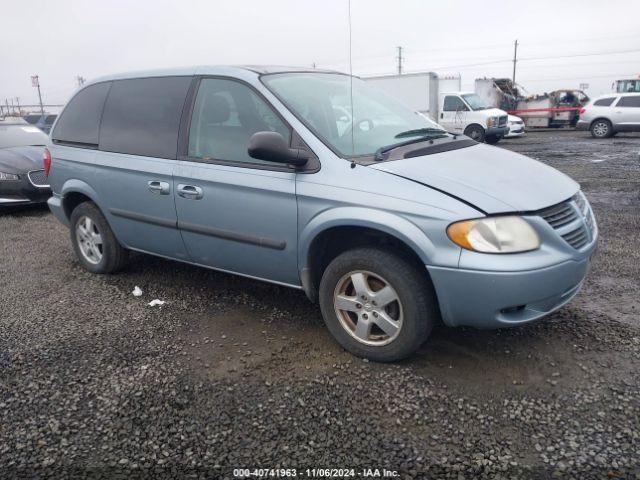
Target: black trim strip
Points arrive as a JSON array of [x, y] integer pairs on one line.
[[439, 190], [195, 228], [236, 237], [162, 222], [66, 143], [440, 147]]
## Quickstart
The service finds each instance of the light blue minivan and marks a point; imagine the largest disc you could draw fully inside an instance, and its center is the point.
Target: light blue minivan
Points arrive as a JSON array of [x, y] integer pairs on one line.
[[316, 180]]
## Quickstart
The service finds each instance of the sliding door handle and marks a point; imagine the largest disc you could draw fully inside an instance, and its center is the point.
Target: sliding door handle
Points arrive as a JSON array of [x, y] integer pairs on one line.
[[158, 187], [189, 191]]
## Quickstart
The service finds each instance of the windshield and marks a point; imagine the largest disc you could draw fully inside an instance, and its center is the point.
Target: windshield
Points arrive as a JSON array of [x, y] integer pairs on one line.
[[21, 135], [322, 101], [475, 102]]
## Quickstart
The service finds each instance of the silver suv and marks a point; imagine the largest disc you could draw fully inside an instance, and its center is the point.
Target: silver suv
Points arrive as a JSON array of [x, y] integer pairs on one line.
[[610, 114]]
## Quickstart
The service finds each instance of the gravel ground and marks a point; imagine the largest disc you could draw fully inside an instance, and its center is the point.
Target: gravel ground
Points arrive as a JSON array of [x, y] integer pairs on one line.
[[233, 373]]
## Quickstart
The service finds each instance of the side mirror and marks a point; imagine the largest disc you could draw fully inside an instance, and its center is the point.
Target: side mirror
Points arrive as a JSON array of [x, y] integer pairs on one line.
[[272, 147]]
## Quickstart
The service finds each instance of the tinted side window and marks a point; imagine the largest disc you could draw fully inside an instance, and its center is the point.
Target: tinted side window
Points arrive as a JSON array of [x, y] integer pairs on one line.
[[142, 115], [453, 104], [80, 120], [225, 115], [50, 119], [604, 102], [629, 101]]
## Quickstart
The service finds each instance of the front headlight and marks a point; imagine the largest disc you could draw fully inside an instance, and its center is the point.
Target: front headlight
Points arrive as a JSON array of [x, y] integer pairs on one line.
[[509, 234], [8, 176], [492, 122]]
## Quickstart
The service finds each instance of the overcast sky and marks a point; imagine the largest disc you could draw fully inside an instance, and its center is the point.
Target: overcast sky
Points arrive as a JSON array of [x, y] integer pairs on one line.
[[61, 39]]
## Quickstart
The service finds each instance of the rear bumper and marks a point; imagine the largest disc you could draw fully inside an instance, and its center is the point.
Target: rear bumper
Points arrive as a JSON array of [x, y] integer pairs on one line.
[[21, 192], [582, 125], [55, 205], [487, 299]]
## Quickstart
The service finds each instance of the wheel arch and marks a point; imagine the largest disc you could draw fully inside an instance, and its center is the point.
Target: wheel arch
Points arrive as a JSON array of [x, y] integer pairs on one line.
[[335, 231], [74, 192], [600, 118], [475, 124]]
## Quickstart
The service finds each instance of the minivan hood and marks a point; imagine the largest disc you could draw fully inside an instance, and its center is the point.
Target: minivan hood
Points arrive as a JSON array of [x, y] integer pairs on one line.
[[491, 179]]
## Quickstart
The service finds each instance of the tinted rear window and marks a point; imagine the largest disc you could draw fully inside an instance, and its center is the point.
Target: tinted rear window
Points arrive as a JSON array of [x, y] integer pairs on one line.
[[80, 120], [32, 118], [50, 119], [604, 102], [142, 116], [629, 101]]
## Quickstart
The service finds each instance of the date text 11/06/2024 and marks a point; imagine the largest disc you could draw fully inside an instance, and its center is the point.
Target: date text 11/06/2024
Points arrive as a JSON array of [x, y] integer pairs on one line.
[[314, 473]]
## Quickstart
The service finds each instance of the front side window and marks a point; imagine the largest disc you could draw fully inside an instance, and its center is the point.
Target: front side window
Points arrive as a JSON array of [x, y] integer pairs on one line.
[[453, 104], [225, 115], [604, 102], [322, 101], [633, 101]]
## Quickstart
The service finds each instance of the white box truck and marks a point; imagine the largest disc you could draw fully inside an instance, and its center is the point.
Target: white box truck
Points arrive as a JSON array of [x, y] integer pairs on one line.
[[439, 97]]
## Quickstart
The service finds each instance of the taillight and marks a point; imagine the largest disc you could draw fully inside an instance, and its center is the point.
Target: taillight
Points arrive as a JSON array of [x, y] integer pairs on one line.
[[582, 110], [46, 161]]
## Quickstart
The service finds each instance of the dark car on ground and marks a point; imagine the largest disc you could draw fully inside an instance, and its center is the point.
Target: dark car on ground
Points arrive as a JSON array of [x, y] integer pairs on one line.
[[22, 178], [43, 122]]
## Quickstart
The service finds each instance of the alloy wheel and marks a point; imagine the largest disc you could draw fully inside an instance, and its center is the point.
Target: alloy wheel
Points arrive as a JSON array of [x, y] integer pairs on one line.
[[601, 129], [89, 240], [368, 308]]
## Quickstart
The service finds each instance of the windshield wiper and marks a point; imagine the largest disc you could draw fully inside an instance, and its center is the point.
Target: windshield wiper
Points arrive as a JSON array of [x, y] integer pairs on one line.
[[379, 155], [419, 131]]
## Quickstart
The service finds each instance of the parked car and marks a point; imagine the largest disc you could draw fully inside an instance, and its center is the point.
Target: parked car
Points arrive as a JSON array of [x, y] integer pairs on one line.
[[610, 114], [516, 127], [22, 178], [390, 227], [43, 122]]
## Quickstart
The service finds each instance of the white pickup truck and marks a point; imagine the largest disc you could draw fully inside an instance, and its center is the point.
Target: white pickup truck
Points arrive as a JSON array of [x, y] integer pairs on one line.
[[439, 97]]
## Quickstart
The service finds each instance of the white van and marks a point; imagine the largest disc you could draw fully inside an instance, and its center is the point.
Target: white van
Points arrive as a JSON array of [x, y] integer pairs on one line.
[[439, 97]]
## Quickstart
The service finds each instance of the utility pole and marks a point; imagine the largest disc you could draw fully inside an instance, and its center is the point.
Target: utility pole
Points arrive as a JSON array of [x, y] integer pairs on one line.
[[35, 82], [399, 57], [515, 59], [18, 102]]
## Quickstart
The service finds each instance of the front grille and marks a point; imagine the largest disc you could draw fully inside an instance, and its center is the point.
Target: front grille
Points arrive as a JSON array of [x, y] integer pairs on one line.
[[559, 215], [38, 178], [577, 238], [572, 219], [502, 121]]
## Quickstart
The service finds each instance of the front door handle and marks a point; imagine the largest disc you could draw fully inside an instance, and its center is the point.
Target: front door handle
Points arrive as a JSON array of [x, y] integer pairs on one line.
[[158, 187], [189, 191]]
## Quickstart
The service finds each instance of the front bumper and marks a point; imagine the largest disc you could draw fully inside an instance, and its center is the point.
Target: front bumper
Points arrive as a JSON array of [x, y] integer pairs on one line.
[[582, 125], [497, 131], [22, 192], [488, 299]]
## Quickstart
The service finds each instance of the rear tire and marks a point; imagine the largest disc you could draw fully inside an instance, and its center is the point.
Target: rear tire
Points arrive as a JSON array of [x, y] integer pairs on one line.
[[377, 305], [601, 128], [475, 132], [93, 240]]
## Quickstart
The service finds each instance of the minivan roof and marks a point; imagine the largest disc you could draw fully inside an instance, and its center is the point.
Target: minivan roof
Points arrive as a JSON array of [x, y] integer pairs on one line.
[[209, 70]]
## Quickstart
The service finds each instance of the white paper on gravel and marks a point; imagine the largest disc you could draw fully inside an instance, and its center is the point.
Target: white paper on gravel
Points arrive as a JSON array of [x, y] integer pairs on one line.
[[157, 302], [137, 292]]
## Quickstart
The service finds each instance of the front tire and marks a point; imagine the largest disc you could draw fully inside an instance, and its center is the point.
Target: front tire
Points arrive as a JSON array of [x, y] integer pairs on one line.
[[601, 129], [93, 240], [376, 304], [492, 139], [475, 132]]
